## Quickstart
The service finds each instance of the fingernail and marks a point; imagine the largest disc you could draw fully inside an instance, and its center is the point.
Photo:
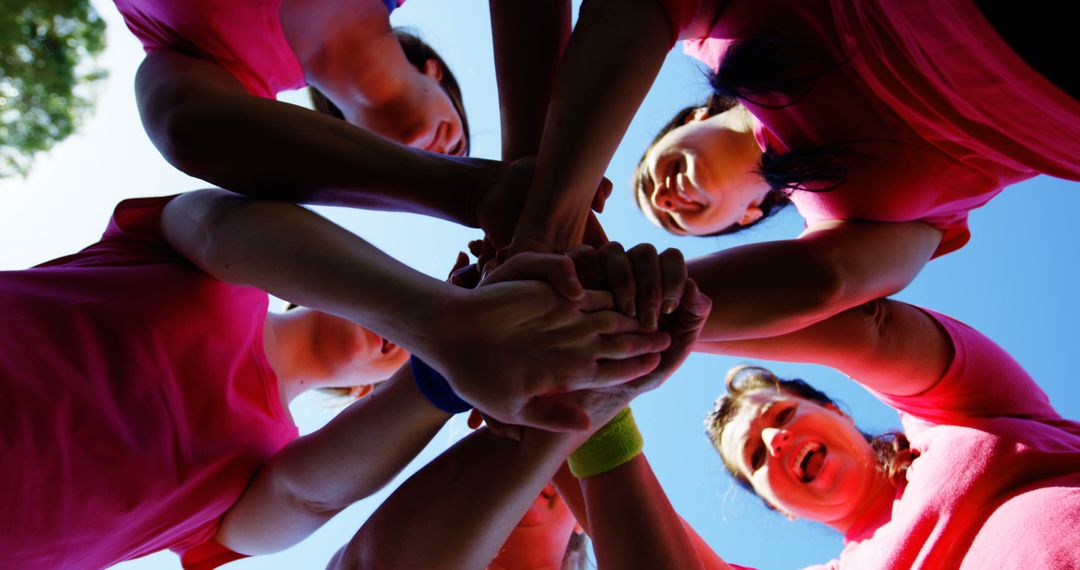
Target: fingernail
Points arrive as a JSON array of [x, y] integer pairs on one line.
[[651, 319], [668, 306]]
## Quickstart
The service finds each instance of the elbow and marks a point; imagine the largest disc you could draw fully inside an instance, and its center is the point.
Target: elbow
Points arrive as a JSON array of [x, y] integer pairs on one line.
[[824, 288], [178, 137]]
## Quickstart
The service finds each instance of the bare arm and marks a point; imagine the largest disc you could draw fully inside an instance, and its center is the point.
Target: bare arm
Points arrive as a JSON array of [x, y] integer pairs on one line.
[[205, 123], [772, 288], [317, 476], [529, 40], [458, 510], [889, 346], [613, 57], [556, 344], [629, 502]]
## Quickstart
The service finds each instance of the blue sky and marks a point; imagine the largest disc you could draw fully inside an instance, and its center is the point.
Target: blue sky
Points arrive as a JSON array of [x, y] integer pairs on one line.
[[1017, 281]]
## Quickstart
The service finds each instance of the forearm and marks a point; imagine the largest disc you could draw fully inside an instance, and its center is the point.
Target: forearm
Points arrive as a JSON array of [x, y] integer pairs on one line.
[[633, 524], [613, 56], [766, 289], [317, 476], [529, 39], [320, 265], [458, 510], [213, 130]]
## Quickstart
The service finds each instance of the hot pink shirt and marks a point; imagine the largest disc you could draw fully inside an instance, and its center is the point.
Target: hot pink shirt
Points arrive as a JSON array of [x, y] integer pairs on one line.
[[243, 36], [944, 113], [136, 401], [997, 481]]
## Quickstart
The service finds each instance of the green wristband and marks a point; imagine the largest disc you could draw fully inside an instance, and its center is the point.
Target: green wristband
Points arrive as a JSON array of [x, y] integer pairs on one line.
[[614, 444]]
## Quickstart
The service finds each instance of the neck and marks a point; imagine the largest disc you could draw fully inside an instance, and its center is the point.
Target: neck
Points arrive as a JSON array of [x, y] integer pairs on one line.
[[876, 506], [289, 340]]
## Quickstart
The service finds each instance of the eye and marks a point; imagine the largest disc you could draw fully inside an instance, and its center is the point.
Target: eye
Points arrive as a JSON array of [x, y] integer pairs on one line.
[[785, 415], [757, 459]]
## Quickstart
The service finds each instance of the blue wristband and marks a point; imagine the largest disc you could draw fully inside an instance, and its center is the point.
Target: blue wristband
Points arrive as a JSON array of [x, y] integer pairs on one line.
[[436, 389]]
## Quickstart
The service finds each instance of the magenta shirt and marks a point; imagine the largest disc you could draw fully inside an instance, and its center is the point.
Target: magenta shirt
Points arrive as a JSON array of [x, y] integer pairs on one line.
[[136, 401], [997, 481], [944, 112], [243, 36]]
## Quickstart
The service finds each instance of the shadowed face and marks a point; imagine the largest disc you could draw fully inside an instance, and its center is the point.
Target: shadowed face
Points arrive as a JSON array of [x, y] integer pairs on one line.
[[539, 540], [805, 459]]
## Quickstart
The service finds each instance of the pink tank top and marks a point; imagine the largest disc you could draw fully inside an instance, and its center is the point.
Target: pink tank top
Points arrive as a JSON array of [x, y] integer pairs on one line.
[[935, 133], [136, 402]]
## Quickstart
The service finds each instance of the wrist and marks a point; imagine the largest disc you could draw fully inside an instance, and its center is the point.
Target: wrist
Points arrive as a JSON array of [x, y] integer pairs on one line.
[[616, 443]]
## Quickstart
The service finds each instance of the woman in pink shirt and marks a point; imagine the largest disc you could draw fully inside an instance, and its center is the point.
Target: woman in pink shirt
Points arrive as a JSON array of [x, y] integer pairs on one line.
[[985, 474], [143, 385], [885, 123]]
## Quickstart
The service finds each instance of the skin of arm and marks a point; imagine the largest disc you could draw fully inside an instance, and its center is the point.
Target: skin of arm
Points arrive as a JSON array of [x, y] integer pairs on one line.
[[890, 346], [529, 39], [772, 288], [458, 510], [500, 346], [317, 476], [205, 124], [588, 114], [628, 501]]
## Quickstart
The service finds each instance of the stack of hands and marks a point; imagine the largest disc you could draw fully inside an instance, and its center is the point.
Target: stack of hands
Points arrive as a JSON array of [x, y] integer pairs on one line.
[[572, 338]]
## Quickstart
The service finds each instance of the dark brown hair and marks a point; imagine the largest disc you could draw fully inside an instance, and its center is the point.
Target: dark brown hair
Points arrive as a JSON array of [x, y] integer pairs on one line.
[[893, 450], [769, 72], [418, 52]]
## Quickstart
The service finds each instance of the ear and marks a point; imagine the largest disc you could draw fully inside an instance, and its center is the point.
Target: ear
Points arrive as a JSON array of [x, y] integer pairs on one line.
[[836, 409], [358, 392], [752, 214], [432, 69], [699, 114]]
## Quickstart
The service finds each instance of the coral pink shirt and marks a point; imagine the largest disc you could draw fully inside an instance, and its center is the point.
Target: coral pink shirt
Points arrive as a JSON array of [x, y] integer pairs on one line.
[[942, 112], [243, 36], [136, 401], [997, 481]]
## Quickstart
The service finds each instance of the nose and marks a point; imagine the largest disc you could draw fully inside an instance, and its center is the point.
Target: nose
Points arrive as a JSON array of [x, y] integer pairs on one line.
[[663, 197], [775, 439]]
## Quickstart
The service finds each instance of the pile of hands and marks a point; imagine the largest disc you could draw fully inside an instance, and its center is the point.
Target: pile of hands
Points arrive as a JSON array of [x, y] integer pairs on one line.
[[562, 341]]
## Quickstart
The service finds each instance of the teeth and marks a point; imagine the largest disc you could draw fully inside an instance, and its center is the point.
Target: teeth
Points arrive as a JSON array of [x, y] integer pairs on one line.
[[801, 458]]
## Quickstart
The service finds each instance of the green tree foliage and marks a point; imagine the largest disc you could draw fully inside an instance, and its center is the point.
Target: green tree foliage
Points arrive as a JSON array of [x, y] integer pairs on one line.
[[48, 51]]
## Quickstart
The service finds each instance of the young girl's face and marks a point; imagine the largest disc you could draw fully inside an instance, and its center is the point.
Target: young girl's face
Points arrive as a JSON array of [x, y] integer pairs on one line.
[[700, 178], [539, 541], [805, 459]]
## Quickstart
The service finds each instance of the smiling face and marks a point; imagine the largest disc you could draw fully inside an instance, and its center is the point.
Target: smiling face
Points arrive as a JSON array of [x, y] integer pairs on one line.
[[699, 178], [805, 459]]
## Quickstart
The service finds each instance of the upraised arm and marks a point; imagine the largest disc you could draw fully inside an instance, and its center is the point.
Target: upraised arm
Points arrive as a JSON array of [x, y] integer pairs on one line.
[[205, 123], [772, 288], [613, 57], [319, 475], [529, 38]]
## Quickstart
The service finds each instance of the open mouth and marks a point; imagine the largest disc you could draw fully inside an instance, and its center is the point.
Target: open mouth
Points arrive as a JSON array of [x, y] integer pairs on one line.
[[809, 460]]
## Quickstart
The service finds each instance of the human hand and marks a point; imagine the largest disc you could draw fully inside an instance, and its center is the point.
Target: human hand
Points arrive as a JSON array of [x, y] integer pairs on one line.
[[684, 325], [506, 344], [500, 207], [644, 284]]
